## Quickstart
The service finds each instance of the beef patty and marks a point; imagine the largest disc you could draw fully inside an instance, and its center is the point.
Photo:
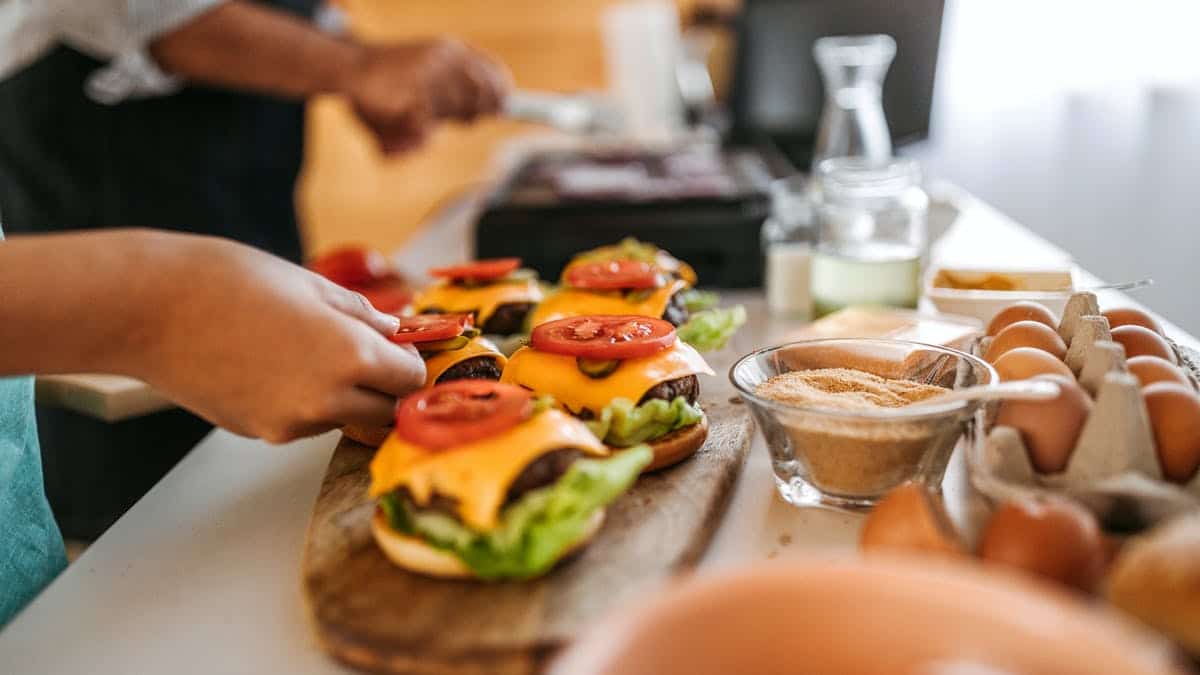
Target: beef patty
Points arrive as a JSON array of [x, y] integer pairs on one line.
[[475, 368], [676, 313], [543, 471], [508, 319], [687, 387]]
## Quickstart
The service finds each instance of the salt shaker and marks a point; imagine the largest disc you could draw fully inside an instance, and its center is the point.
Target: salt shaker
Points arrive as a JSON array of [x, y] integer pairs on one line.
[[788, 236]]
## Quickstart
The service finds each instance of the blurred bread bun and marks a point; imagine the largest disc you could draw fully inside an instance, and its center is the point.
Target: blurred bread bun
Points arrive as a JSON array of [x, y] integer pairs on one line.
[[874, 615]]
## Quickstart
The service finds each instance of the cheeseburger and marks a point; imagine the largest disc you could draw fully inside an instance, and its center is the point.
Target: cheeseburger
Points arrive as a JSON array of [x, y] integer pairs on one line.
[[642, 279], [497, 292], [628, 377], [481, 480]]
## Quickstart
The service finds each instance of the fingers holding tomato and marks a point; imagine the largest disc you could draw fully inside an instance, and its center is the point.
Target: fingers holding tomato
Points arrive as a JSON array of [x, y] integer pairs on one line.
[[431, 327]]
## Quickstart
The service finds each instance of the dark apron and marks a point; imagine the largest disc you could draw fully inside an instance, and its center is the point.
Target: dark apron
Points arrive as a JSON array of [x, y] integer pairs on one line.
[[202, 160]]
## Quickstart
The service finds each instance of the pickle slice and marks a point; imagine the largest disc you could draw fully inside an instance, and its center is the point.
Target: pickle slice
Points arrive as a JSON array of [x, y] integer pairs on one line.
[[457, 342], [596, 368]]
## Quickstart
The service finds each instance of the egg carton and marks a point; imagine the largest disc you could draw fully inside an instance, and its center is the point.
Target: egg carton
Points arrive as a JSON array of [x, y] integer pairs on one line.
[[1114, 469]]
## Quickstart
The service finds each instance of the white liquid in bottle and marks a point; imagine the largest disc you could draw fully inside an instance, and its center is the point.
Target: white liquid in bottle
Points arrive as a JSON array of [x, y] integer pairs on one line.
[[789, 279]]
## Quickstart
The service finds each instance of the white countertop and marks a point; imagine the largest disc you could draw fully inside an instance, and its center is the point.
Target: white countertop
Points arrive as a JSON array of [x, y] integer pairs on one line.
[[203, 574]]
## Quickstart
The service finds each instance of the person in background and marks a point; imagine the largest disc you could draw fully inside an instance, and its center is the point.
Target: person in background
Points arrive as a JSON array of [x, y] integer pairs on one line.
[[188, 114]]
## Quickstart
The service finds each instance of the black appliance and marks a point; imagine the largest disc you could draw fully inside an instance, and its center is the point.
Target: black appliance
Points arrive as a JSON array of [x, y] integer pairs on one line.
[[705, 205], [777, 94]]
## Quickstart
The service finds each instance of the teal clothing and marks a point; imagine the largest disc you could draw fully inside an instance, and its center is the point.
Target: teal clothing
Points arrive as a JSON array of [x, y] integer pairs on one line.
[[31, 547]]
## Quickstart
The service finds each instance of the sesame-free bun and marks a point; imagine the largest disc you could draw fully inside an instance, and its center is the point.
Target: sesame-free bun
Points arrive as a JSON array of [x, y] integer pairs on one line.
[[415, 555], [678, 445]]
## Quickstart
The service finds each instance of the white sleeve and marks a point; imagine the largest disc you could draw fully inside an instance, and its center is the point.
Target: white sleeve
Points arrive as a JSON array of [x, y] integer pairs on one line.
[[119, 31]]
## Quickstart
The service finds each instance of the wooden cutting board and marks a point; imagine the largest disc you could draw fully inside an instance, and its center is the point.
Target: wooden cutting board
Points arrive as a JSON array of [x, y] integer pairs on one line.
[[373, 615]]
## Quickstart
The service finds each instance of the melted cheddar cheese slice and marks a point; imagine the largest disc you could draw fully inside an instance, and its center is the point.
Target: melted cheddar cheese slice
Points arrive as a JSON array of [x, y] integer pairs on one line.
[[482, 300], [442, 361], [477, 474], [558, 376], [567, 302]]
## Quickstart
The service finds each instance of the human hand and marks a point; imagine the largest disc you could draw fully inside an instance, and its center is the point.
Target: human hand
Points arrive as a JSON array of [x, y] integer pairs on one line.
[[268, 349], [400, 91]]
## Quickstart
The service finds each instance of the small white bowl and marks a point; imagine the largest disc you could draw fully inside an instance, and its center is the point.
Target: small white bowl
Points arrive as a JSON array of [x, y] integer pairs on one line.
[[984, 305]]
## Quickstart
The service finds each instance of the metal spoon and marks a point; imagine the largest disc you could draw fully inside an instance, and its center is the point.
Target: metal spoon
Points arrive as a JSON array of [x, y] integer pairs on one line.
[[1122, 286], [1025, 390]]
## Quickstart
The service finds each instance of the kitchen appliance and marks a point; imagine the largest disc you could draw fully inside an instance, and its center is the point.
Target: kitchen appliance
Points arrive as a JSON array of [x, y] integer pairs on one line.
[[704, 204]]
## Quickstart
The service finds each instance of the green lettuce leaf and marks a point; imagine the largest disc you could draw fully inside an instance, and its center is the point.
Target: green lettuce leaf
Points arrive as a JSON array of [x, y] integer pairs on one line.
[[536, 530], [628, 248], [697, 301], [711, 329], [622, 424]]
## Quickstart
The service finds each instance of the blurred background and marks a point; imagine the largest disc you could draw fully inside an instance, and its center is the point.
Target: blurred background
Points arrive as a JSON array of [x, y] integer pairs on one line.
[[1080, 120]]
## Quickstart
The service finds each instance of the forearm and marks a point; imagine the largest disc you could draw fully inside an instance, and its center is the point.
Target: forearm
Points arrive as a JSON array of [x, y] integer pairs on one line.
[[82, 302], [240, 45]]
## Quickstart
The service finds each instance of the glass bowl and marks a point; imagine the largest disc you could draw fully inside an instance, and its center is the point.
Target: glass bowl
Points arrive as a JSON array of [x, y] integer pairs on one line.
[[824, 456]]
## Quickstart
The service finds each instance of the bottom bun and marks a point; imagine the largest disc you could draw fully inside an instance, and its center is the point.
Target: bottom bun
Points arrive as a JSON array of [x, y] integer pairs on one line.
[[369, 436], [678, 445], [416, 556]]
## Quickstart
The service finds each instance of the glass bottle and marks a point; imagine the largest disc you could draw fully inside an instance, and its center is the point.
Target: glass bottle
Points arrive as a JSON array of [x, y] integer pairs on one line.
[[871, 234], [852, 122], [788, 236]]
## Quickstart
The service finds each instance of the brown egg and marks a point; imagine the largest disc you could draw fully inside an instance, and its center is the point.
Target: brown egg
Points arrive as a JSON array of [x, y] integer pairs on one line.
[[1026, 334], [1050, 537], [1141, 341], [910, 518], [1151, 369], [1175, 417], [1021, 311], [1050, 428], [1023, 363], [1128, 316]]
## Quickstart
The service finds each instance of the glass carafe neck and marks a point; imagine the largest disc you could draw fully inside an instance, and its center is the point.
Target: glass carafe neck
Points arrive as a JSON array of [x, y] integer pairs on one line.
[[858, 62]]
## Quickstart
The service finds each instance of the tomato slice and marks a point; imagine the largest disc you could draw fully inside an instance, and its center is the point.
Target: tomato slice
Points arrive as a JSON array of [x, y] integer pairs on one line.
[[604, 336], [431, 327], [461, 411], [390, 297], [351, 266], [610, 275], [479, 270]]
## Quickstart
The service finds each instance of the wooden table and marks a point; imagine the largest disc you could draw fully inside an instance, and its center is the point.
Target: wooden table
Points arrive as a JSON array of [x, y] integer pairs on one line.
[[203, 574]]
